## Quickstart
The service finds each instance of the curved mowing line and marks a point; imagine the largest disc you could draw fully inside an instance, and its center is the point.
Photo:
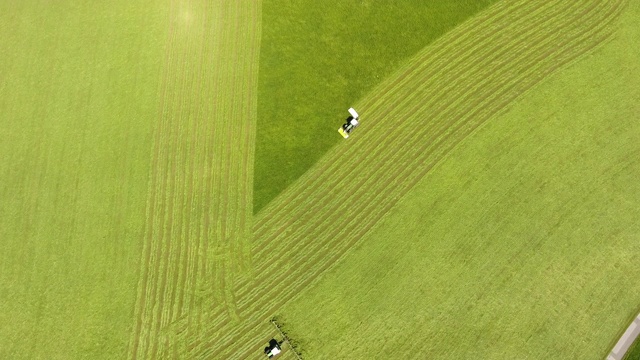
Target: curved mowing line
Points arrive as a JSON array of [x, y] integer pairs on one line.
[[256, 335], [574, 46], [383, 195], [316, 238], [399, 151], [437, 50], [376, 149], [192, 205], [374, 124], [380, 150], [279, 205]]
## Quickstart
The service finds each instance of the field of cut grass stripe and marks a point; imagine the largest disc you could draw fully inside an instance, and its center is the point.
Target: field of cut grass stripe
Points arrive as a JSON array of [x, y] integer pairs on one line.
[[521, 244], [127, 181], [199, 209], [318, 58], [466, 77]]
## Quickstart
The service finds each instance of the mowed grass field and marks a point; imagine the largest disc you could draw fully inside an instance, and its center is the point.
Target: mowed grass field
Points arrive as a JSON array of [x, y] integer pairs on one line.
[[128, 187], [78, 85], [128, 134], [521, 243], [473, 73], [318, 58], [198, 212], [127, 139]]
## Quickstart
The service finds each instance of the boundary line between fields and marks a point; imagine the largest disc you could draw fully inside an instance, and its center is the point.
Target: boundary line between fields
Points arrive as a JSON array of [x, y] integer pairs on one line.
[[330, 254]]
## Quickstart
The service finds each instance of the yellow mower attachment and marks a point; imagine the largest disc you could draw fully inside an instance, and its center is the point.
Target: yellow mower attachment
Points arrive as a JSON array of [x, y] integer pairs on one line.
[[350, 124]]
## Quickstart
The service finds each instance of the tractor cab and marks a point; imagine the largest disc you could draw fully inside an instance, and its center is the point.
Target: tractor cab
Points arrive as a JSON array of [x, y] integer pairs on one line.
[[273, 349], [350, 124]]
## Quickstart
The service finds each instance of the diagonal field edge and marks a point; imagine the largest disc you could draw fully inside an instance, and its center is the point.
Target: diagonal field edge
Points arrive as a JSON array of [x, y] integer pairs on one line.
[[325, 204], [594, 38], [365, 184], [581, 30], [377, 152]]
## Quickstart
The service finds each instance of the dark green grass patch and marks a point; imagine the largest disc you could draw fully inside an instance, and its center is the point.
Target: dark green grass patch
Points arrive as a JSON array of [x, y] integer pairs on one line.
[[634, 351], [317, 58]]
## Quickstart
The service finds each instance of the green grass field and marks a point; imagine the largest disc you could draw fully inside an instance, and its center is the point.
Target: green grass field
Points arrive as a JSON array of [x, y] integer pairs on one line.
[[307, 229], [160, 199], [127, 177], [198, 212], [634, 351], [77, 103], [521, 244], [318, 58]]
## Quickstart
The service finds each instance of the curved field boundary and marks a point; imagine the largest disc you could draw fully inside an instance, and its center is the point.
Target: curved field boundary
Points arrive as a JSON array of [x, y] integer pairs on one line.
[[412, 122], [626, 340], [199, 206]]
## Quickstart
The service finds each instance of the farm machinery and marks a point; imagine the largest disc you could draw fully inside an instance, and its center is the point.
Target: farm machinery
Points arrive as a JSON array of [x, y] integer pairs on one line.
[[275, 346], [350, 124]]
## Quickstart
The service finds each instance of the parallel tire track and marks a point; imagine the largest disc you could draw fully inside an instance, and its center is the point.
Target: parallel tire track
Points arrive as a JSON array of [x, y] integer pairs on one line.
[[200, 180], [382, 156], [400, 182], [309, 219]]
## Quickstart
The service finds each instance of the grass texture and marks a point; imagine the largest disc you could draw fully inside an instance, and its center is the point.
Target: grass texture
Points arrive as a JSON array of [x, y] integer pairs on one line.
[[127, 181], [198, 214], [318, 58], [521, 243], [127, 174], [634, 351], [446, 92], [77, 100]]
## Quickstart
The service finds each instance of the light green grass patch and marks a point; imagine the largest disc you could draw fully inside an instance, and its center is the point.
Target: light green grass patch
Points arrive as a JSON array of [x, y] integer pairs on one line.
[[317, 59], [198, 228], [77, 98], [522, 244]]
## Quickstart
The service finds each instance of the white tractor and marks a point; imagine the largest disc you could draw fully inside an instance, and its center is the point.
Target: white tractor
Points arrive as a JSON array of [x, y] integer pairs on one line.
[[273, 349], [350, 124]]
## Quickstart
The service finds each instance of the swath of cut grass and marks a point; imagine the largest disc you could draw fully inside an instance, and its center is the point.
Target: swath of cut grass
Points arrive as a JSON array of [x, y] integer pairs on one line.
[[520, 245], [305, 231], [198, 223], [318, 58]]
